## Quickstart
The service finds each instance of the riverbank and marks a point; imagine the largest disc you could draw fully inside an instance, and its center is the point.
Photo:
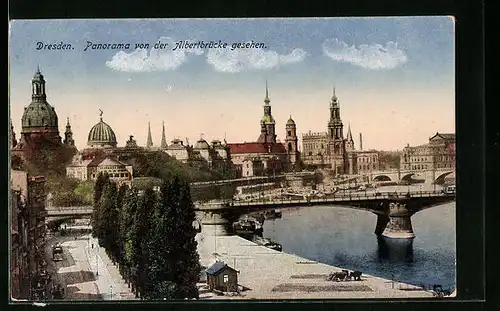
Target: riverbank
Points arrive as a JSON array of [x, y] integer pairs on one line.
[[268, 274]]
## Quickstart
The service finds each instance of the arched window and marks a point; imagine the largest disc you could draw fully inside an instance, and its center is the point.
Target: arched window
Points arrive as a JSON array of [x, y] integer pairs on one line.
[[29, 122], [290, 147]]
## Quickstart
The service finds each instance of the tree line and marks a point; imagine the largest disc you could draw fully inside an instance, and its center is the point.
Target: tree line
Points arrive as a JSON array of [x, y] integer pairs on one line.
[[150, 236]]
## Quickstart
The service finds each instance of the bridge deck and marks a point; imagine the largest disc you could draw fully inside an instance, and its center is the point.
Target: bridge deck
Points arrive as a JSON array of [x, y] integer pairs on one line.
[[339, 199]]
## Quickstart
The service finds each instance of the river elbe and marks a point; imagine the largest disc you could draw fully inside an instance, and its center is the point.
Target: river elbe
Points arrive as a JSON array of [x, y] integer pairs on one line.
[[344, 237]]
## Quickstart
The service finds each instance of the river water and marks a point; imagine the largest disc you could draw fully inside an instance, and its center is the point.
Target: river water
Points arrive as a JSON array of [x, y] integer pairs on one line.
[[344, 237]]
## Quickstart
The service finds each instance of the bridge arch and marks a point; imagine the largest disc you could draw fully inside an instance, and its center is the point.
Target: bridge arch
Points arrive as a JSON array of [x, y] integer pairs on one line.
[[408, 177], [54, 223], [440, 179], [382, 178]]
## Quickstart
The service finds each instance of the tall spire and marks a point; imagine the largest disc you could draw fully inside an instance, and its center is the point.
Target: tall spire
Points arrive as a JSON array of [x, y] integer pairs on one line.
[[266, 100], [68, 135], [163, 137], [334, 96], [349, 134], [149, 143]]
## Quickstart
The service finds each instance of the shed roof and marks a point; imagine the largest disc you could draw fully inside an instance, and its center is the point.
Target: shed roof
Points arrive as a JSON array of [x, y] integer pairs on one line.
[[217, 267]]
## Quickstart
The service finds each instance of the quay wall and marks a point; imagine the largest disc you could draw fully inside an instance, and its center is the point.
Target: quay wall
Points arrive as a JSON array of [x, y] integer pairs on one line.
[[268, 274]]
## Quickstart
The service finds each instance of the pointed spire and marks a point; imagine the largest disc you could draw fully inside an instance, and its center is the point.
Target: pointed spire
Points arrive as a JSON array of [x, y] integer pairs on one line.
[[67, 122], [266, 100], [349, 134], [149, 142], [38, 68], [163, 137]]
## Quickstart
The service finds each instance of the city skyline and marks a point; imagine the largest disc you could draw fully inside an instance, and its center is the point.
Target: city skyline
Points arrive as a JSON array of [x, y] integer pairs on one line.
[[403, 71]]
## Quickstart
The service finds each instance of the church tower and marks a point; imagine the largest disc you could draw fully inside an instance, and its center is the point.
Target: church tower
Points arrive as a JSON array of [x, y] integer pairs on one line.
[[335, 126], [291, 142], [68, 136], [149, 142], [267, 123], [163, 137], [336, 142]]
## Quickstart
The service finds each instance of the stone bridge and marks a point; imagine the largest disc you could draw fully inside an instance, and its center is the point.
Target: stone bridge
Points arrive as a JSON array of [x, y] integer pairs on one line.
[[393, 210], [431, 176], [57, 215]]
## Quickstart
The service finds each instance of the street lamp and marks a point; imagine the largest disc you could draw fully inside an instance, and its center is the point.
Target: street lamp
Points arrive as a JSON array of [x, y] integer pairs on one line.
[[96, 265], [111, 292]]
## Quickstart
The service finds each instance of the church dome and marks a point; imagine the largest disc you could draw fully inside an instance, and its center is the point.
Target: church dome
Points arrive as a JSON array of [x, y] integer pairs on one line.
[[101, 135], [290, 121], [201, 144], [39, 114]]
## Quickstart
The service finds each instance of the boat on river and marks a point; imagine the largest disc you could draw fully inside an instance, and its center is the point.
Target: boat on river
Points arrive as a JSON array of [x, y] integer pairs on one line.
[[267, 243], [273, 214], [247, 226]]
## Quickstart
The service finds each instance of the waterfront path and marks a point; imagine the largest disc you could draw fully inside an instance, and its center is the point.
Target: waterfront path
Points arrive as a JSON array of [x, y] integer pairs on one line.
[[108, 279], [269, 274]]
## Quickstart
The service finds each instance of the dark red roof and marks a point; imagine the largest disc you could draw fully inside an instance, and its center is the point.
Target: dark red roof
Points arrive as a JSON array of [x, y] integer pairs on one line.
[[256, 148]]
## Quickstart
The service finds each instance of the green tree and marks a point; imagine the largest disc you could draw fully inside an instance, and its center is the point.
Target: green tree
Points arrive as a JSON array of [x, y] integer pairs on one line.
[[85, 191], [187, 265], [143, 232], [121, 231], [129, 229], [160, 246], [101, 181], [109, 220]]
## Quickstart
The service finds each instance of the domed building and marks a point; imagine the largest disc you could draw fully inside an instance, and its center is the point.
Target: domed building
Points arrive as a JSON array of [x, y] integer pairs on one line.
[[101, 135], [39, 123], [214, 154]]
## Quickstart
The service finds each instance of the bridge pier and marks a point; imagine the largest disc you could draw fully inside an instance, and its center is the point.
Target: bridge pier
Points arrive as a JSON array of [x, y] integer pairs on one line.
[[399, 224], [213, 223], [216, 222]]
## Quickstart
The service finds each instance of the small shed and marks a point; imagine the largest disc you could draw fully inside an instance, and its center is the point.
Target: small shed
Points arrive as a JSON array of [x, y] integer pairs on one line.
[[222, 277]]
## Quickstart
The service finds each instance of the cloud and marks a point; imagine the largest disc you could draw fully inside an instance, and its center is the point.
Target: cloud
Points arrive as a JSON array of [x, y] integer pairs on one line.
[[227, 60], [154, 60], [373, 56]]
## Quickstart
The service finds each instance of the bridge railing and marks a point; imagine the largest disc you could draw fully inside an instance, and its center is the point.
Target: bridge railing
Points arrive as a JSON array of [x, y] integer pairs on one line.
[[59, 210], [338, 198]]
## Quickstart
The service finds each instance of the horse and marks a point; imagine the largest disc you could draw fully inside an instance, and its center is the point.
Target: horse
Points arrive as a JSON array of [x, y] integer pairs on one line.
[[338, 276], [355, 275]]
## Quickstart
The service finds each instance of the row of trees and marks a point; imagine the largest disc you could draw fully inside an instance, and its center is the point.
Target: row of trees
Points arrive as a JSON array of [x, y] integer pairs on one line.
[[150, 235]]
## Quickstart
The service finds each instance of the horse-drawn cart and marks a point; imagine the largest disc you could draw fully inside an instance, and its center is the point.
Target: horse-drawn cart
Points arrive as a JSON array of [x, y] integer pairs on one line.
[[345, 275]]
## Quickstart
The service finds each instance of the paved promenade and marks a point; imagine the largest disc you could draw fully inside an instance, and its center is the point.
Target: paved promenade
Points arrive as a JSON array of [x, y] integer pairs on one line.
[[109, 281], [268, 274]]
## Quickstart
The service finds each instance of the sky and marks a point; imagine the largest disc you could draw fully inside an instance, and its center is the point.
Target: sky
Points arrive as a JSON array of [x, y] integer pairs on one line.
[[394, 77]]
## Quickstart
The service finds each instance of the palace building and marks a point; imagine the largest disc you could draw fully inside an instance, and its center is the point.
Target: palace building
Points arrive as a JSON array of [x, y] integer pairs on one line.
[[438, 153], [266, 156], [331, 150]]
